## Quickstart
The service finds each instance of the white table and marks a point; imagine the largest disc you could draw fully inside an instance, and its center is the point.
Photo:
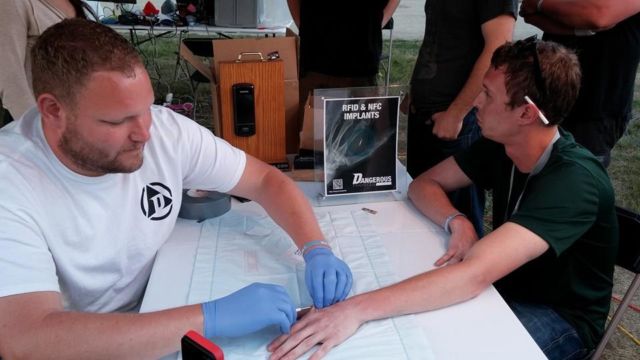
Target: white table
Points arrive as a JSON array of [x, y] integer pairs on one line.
[[482, 328]]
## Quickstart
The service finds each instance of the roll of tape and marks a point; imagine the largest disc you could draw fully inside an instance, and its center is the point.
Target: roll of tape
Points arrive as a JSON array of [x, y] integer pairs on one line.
[[200, 205]]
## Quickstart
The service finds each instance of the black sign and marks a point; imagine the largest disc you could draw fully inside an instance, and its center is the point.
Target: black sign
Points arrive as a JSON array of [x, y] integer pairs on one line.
[[360, 144]]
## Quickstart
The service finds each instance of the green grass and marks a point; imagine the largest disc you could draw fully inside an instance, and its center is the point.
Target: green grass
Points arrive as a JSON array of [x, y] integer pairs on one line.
[[625, 160], [402, 61]]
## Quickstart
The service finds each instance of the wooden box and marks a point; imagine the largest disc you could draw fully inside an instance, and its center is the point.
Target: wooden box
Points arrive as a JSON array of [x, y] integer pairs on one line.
[[268, 143]]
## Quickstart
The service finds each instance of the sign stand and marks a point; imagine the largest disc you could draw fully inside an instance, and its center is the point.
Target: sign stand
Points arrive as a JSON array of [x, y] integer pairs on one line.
[[356, 131]]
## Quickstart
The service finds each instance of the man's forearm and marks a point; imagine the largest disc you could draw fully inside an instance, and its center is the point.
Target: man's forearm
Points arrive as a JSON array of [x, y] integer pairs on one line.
[[289, 208], [489, 260], [430, 198], [388, 11], [588, 14], [74, 335], [496, 32], [424, 292], [294, 9], [548, 25]]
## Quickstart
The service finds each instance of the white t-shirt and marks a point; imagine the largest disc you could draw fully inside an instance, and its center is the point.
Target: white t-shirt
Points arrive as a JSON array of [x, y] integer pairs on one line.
[[94, 239]]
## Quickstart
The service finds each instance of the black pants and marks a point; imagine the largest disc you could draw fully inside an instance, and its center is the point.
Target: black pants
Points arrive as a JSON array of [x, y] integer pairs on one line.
[[6, 117]]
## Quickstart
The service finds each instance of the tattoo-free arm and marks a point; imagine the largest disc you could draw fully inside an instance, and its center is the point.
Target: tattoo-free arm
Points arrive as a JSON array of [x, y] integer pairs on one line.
[[496, 32], [388, 11], [499, 253], [35, 326], [584, 14], [281, 198], [294, 9]]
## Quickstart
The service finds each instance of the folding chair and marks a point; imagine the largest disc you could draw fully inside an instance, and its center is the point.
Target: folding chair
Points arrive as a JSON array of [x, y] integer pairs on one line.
[[628, 258], [385, 59]]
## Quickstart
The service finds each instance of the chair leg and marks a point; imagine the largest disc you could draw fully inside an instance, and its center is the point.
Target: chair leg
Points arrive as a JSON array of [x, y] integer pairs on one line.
[[386, 81], [178, 57], [617, 316], [195, 102]]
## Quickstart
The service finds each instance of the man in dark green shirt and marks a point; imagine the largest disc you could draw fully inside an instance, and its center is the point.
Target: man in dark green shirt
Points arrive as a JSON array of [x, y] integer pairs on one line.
[[552, 251], [568, 204], [553, 203]]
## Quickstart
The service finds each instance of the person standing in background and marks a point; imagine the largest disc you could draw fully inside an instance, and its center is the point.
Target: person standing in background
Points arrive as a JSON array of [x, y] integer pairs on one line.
[[23, 21], [343, 52], [606, 37], [459, 38]]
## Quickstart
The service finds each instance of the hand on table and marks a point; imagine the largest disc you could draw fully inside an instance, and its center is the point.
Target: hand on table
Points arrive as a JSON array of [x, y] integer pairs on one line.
[[249, 309], [463, 236], [328, 278], [329, 327]]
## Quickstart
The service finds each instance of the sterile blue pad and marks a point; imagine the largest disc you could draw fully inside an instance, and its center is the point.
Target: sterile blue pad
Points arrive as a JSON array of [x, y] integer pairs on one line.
[[235, 250]]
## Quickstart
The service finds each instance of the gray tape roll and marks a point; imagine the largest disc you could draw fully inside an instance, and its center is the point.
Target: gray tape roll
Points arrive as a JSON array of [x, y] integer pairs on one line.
[[210, 205]]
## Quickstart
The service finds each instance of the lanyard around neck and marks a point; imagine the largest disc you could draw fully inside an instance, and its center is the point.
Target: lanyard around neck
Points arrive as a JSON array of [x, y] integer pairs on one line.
[[542, 161]]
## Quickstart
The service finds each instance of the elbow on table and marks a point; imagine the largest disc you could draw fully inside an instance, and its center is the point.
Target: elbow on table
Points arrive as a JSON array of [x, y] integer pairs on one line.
[[413, 188], [419, 186], [478, 281], [476, 288]]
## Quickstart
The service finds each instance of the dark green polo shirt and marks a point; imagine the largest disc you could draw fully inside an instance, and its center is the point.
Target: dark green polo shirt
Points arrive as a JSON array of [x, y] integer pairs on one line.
[[570, 204]]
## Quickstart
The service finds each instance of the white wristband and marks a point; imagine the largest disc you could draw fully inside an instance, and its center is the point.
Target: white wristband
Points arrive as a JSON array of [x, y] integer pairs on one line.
[[313, 244], [447, 222]]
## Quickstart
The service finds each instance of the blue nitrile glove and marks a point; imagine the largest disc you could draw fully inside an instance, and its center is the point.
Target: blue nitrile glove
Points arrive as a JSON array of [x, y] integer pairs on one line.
[[249, 309], [328, 278]]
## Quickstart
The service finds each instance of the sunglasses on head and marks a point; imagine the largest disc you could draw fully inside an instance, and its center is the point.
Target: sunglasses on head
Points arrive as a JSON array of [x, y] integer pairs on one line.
[[529, 46]]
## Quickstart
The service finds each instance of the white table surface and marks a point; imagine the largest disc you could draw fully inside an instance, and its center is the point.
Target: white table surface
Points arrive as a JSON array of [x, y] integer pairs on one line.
[[481, 328]]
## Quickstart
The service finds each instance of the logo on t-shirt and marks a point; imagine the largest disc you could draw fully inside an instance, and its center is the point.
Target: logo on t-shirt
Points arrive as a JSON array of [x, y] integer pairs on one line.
[[155, 201]]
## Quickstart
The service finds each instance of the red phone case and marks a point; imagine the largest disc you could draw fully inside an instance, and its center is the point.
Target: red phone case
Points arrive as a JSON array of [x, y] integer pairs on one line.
[[196, 347]]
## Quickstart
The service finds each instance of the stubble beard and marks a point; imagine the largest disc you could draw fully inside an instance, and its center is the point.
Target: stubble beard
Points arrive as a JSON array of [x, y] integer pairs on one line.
[[87, 156]]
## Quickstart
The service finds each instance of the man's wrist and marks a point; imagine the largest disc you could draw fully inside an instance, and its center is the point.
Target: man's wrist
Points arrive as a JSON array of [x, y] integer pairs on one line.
[[449, 219], [458, 111], [308, 246], [208, 318], [539, 6]]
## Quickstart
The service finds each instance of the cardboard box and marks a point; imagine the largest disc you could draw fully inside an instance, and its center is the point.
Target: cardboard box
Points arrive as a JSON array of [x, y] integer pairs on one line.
[[228, 50]]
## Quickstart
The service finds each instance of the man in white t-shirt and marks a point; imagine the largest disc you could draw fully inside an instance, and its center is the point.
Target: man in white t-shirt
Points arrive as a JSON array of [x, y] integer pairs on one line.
[[91, 186]]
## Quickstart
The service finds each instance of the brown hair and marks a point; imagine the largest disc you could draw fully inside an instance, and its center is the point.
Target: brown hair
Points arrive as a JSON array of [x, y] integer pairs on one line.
[[66, 54], [547, 72]]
